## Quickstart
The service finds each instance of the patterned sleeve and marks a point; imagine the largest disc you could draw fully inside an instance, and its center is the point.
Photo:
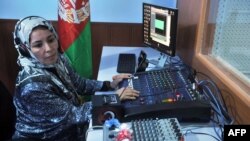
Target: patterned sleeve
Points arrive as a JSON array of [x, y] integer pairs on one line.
[[42, 110], [83, 85]]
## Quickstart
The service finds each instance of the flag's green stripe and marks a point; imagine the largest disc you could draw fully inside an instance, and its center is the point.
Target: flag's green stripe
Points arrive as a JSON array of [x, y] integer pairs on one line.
[[80, 53]]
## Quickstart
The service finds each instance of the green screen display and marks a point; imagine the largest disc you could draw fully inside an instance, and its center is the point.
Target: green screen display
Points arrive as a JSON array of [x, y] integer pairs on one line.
[[159, 24]]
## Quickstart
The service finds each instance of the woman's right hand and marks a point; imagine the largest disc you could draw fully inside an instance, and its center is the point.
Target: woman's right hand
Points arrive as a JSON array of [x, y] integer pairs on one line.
[[127, 93]]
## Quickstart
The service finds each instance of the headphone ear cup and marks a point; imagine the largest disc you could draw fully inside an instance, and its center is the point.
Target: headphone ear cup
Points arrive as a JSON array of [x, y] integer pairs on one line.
[[23, 50]]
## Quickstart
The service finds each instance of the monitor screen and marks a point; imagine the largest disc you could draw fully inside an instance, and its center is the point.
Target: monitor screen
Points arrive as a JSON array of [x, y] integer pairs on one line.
[[160, 28]]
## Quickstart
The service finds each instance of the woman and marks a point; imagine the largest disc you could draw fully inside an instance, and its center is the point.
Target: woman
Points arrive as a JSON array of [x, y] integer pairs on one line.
[[47, 88]]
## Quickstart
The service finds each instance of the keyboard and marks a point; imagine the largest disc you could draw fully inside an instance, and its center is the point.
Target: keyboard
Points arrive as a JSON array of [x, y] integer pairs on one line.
[[126, 63]]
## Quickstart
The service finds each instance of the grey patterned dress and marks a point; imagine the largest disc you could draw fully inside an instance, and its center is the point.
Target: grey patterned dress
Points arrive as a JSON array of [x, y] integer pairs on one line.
[[46, 100]]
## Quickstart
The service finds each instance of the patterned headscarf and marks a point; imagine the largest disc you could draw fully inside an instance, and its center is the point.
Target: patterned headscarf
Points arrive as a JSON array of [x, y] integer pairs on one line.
[[23, 29]]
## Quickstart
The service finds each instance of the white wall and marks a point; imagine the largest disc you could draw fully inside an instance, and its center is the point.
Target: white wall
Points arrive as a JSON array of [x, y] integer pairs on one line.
[[16, 9], [129, 11], [126, 11]]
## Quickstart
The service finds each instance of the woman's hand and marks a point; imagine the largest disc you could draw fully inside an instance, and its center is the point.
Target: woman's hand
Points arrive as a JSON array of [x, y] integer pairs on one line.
[[127, 93], [118, 78]]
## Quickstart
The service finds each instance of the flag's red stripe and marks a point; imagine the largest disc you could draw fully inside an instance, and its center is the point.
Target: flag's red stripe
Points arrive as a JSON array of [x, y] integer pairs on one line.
[[68, 32]]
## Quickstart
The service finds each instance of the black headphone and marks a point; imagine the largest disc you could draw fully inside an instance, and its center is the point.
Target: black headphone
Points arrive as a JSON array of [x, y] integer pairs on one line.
[[22, 48]]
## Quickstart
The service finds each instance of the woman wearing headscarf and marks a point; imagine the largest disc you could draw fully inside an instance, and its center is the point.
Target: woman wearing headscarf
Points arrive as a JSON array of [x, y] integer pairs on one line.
[[47, 88]]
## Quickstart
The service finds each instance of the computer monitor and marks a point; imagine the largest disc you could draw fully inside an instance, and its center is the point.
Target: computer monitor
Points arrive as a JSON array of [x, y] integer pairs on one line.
[[159, 30]]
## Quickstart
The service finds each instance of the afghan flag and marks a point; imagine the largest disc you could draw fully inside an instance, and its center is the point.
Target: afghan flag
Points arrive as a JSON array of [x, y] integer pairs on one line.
[[75, 34]]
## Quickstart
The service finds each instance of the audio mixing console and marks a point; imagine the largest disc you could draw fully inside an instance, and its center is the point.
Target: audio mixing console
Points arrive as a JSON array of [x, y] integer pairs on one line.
[[166, 93]]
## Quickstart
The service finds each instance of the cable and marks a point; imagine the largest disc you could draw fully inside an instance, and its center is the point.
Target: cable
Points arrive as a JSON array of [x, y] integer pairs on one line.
[[209, 81], [195, 127], [220, 98], [214, 101], [201, 133], [218, 105], [211, 96], [219, 102]]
